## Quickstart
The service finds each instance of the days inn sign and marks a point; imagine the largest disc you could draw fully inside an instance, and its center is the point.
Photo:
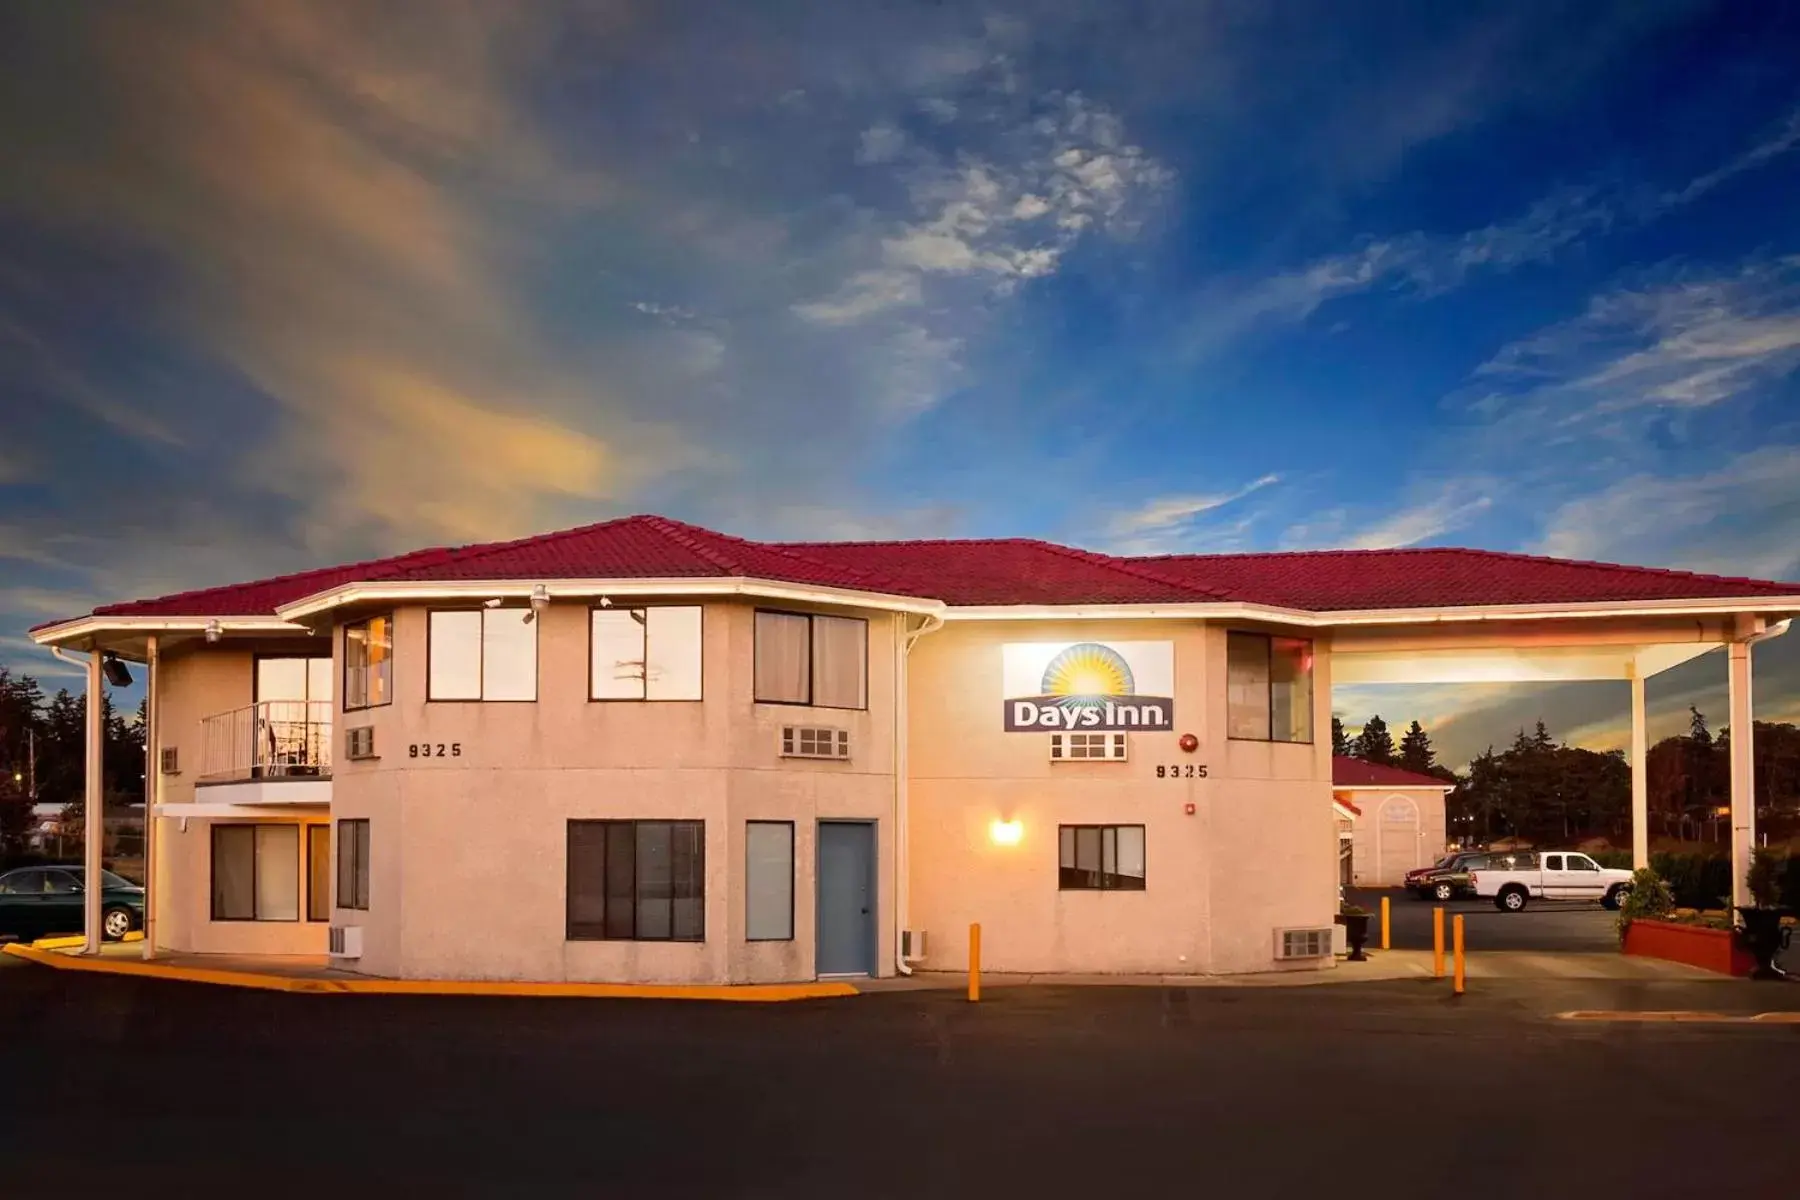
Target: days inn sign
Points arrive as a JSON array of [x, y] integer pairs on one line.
[[1088, 686]]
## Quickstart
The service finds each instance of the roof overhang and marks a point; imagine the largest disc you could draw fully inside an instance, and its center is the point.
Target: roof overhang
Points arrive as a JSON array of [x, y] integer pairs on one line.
[[63, 633], [1238, 611], [1393, 787], [587, 589]]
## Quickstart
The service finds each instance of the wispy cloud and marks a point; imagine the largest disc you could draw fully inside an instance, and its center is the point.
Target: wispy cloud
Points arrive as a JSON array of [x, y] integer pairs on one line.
[[1781, 140], [1183, 522], [1438, 508]]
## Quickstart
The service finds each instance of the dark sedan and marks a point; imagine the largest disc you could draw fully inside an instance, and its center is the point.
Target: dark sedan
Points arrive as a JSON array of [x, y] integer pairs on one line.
[[1445, 879], [40, 902]]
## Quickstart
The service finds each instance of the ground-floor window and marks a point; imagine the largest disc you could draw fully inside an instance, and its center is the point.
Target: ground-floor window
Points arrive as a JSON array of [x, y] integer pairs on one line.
[[318, 872], [769, 881], [256, 872], [1102, 858], [639, 881], [353, 863]]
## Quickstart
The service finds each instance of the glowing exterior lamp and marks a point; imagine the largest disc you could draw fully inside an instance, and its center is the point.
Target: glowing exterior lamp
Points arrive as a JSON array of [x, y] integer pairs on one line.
[[1006, 833]]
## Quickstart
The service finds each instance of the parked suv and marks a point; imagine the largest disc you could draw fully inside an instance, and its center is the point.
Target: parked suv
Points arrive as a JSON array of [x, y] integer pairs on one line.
[[1447, 878]]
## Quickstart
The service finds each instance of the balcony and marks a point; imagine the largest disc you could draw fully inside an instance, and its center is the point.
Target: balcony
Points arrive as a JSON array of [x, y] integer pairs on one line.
[[275, 752]]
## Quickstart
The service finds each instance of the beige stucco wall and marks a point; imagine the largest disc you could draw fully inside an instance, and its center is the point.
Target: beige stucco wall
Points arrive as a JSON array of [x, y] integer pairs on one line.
[[195, 681], [469, 851], [1257, 853], [1375, 833]]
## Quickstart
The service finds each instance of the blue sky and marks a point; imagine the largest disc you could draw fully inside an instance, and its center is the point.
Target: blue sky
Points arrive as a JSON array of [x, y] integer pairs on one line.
[[287, 283]]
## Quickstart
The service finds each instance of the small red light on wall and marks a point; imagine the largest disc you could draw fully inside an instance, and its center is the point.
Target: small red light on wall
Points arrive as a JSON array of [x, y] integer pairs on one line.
[[1188, 808], [1189, 742]]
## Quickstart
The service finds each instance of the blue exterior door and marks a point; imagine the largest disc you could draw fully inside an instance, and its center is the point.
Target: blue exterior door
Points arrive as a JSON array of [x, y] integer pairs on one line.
[[846, 910]]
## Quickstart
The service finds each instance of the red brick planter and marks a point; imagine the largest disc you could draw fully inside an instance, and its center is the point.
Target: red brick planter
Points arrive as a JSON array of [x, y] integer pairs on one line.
[[1695, 945]]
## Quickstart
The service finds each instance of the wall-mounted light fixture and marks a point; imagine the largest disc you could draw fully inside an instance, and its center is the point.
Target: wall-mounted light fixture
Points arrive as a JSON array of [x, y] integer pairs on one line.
[[540, 600], [115, 671], [1006, 833], [213, 632]]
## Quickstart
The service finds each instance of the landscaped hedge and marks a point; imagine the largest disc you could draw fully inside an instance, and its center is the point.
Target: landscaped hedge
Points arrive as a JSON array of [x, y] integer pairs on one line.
[[1702, 878]]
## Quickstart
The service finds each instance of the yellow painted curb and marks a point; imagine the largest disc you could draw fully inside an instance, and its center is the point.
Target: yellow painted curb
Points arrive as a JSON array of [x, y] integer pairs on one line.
[[751, 992], [1683, 1017], [71, 941]]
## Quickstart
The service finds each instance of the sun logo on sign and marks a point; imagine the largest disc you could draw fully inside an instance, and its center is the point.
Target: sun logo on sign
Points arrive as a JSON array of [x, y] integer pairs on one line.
[[1085, 674]]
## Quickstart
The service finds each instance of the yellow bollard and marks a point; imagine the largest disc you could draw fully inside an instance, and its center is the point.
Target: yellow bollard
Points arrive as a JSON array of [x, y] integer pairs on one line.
[[974, 963], [1457, 987], [1386, 929], [1437, 943]]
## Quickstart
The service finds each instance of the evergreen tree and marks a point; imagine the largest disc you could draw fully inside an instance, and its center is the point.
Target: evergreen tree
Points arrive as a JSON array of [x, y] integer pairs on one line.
[[1697, 731], [1416, 753], [1340, 743], [1375, 744]]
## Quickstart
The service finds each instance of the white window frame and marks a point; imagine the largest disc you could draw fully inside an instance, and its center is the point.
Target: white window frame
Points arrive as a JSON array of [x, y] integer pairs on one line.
[[655, 684], [1080, 747], [488, 643], [357, 695], [811, 699]]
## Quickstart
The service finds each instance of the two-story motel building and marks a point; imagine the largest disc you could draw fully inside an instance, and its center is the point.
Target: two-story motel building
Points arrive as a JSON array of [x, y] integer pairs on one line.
[[644, 751]]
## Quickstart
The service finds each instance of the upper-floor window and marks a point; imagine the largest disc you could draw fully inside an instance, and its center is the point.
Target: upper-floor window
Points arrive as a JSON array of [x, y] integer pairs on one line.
[[482, 654], [1269, 688], [808, 659], [644, 653], [368, 663]]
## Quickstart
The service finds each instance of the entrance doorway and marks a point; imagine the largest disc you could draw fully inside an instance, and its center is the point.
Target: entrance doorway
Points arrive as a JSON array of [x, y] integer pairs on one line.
[[846, 899]]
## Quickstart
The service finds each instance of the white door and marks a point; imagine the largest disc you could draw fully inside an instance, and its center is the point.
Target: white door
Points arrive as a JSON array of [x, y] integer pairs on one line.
[[1582, 878], [1556, 878]]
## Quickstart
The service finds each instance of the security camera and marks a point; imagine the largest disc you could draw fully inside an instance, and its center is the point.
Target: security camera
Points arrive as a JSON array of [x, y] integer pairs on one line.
[[213, 632]]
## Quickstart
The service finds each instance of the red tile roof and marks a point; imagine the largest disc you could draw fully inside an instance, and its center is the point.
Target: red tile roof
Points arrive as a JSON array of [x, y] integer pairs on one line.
[[1336, 580], [1354, 772], [1004, 571]]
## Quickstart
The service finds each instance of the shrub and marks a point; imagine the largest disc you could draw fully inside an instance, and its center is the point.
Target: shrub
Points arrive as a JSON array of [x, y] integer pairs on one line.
[[1763, 879], [1617, 860], [1650, 898], [1698, 879]]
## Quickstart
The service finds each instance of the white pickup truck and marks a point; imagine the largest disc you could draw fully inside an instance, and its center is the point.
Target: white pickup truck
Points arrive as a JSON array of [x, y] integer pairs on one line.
[[1550, 875]]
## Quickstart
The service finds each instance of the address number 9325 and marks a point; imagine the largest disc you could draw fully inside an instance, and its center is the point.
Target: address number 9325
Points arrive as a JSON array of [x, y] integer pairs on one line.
[[1181, 771], [434, 750]]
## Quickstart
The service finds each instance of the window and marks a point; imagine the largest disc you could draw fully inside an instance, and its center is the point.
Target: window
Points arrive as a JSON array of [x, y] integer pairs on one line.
[[1268, 683], [1103, 858], [256, 872], [644, 653], [353, 864], [482, 654], [368, 663], [769, 881], [22, 883], [1580, 862], [803, 659], [641, 881], [1067, 746], [61, 883], [318, 872], [1553, 863], [293, 679]]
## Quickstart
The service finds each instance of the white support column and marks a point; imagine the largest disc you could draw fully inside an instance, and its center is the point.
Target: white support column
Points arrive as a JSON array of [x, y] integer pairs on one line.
[[152, 790], [1640, 777], [1743, 774], [93, 808]]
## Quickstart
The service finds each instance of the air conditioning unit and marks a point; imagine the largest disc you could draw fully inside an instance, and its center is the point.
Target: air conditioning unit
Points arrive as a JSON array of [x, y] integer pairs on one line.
[[345, 941], [1086, 747], [810, 741], [912, 944], [359, 742], [171, 761], [1303, 943]]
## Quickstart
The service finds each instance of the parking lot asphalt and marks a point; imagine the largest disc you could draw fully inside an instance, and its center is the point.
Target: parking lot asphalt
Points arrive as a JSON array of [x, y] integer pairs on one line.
[[1545, 925], [125, 1086]]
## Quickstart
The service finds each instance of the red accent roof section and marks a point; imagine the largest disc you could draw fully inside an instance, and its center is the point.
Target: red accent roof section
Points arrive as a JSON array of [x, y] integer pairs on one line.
[[1337, 580], [1002, 571], [1354, 772], [1012, 571]]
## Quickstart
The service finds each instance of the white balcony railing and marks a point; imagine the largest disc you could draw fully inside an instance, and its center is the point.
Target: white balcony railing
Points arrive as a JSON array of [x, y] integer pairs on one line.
[[276, 739]]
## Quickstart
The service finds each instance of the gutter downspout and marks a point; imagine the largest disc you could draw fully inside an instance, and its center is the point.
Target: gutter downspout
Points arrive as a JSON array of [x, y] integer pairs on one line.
[[903, 645]]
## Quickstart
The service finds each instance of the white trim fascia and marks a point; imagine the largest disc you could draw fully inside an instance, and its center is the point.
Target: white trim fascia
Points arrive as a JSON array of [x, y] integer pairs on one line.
[[1446, 788], [79, 626], [275, 811], [704, 585], [1221, 611]]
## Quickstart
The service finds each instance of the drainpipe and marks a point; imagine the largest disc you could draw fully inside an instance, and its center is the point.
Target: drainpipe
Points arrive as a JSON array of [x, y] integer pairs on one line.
[[902, 837], [93, 817]]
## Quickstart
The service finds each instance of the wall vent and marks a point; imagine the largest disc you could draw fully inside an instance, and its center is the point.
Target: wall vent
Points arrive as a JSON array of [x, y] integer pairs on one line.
[[1086, 747], [1303, 943], [345, 941], [810, 741], [359, 742], [912, 944], [171, 760]]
